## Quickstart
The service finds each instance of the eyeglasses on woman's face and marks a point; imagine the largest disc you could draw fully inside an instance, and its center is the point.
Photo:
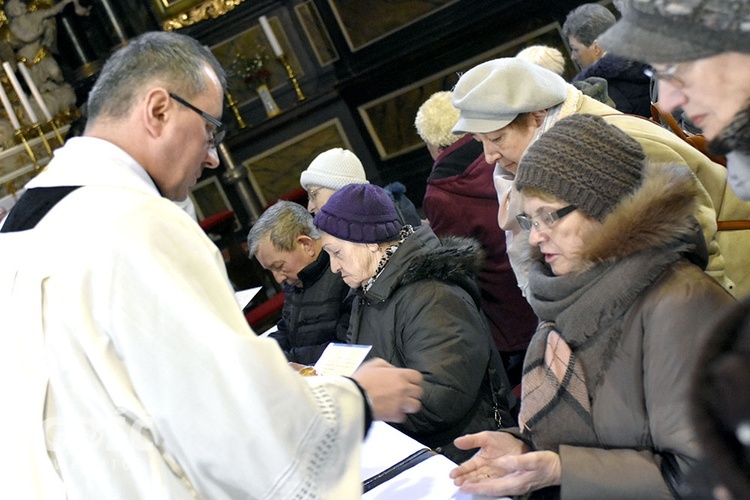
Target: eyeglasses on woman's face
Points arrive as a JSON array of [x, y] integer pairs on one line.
[[672, 73], [544, 220]]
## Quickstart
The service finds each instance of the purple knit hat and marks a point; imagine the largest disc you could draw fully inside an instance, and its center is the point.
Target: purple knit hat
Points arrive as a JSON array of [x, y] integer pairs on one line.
[[360, 213]]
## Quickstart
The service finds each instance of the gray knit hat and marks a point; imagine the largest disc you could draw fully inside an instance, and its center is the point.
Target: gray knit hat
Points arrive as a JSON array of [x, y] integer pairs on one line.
[[360, 213], [584, 161], [673, 31], [334, 169], [491, 95]]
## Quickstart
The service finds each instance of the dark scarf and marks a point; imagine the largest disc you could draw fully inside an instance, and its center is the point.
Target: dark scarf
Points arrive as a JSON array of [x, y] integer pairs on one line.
[[581, 324], [735, 136]]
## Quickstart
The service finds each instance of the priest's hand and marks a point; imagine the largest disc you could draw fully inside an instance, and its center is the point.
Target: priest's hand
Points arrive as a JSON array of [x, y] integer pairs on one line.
[[393, 392]]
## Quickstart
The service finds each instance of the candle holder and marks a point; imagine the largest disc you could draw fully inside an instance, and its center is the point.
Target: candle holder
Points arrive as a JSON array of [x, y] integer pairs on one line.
[[58, 136], [19, 135], [232, 103], [292, 76], [39, 131]]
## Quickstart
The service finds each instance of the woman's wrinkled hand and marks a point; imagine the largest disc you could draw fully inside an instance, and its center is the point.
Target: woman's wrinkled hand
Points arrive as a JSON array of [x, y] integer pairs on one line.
[[495, 471]]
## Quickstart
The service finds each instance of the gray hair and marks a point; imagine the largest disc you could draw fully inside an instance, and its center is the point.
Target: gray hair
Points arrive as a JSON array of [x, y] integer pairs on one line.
[[586, 22], [282, 222], [170, 59]]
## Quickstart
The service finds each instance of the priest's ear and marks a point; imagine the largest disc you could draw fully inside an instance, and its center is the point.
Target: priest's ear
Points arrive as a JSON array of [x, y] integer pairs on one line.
[[156, 109]]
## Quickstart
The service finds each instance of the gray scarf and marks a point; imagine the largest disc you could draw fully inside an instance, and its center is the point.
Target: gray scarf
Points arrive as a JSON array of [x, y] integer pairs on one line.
[[734, 142], [586, 311]]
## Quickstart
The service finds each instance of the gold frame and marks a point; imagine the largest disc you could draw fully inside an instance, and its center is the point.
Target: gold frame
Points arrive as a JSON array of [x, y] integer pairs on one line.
[[277, 169], [178, 14], [208, 195], [389, 119], [362, 27], [316, 32], [246, 41]]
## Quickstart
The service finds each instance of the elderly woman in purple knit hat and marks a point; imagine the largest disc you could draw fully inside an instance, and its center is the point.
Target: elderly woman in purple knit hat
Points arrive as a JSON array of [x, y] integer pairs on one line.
[[417, 304]]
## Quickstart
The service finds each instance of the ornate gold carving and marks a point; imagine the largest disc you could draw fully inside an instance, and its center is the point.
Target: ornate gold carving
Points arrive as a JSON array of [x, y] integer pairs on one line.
[[208, 9]]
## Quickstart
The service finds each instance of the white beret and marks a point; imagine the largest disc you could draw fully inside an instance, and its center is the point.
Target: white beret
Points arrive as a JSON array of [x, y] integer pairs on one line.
[[490, 96]]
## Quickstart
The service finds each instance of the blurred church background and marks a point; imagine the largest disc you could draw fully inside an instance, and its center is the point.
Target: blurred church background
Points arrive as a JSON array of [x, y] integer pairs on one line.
[[304, 76]]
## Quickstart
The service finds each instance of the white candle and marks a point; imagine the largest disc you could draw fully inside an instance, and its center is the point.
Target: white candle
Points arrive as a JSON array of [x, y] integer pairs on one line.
[[9, 109], [21, 95], [271, 37], [35, 91]]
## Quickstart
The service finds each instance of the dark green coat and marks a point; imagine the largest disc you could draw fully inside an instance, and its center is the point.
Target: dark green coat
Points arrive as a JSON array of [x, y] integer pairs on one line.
[[422, 313]]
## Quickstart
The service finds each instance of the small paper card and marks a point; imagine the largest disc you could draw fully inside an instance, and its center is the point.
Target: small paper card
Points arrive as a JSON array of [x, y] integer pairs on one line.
[[341, 359], [244, 297]]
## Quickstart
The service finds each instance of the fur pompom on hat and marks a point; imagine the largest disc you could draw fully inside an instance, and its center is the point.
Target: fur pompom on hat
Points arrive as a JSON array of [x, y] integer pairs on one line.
[[490, 96], [584, 161], [360, 213], [435, 120], [547, 57], [334, 169]]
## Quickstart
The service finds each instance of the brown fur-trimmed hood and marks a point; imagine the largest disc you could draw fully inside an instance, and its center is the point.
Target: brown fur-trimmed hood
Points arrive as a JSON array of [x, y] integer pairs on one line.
[[656, 215]]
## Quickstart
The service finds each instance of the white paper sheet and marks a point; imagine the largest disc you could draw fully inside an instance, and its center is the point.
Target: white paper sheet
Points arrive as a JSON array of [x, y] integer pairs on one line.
[[386, 446], [341, 359], [243, 297]]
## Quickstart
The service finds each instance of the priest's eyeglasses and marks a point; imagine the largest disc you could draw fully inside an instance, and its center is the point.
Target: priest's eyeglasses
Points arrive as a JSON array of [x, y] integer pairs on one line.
[[543, 221], [217, 134]]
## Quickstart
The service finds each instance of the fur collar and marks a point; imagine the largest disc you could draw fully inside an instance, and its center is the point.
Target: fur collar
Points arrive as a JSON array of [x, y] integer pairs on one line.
[[422, 257], [656, 215], [457, 259], [613, 67]]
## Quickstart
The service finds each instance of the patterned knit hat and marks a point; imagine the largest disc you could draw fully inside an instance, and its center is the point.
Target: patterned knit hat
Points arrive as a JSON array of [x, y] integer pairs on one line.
[[360, 213], [334, 169], [584, 161], [673, 31]]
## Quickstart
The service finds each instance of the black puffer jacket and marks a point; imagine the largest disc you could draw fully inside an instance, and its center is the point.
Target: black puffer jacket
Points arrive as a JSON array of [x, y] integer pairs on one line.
[[314, 315], [627, 83], [422, 313]]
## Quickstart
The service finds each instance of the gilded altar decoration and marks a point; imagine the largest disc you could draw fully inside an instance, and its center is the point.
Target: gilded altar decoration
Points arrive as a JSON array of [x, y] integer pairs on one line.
[[181, 13]]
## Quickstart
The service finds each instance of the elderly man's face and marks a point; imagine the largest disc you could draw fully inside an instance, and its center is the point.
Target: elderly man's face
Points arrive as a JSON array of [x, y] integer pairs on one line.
[[285, 265], [711, 91]]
